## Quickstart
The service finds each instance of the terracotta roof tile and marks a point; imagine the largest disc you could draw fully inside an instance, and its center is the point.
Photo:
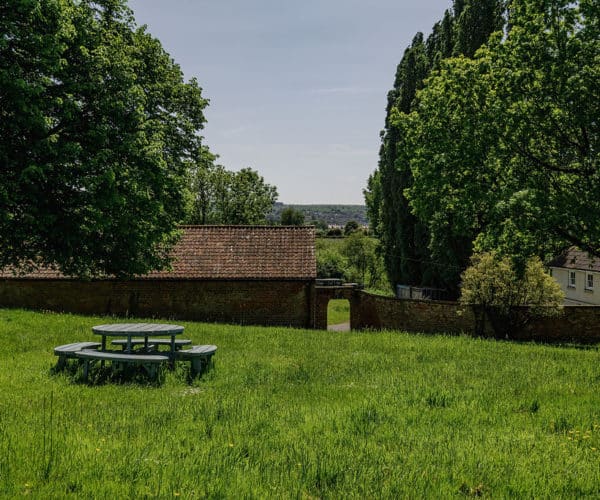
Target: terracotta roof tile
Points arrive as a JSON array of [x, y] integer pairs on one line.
[[232, 252]]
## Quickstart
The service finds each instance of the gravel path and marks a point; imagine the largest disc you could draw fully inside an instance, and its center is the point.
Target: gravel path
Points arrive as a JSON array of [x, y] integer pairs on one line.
[[341, 327]]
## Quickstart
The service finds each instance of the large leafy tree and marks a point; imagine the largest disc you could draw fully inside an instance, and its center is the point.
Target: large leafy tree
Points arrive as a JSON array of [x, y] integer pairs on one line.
[[96, 126], [251, 199], [546, 94], [404, 236], [474, 23], [447, 146], [220, 196], [292, 217], [506, 145], [398, 229]]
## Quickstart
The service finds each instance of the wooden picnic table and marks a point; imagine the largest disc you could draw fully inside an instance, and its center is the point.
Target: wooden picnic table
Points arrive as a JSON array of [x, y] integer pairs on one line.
[[199, 356], [133, 330]]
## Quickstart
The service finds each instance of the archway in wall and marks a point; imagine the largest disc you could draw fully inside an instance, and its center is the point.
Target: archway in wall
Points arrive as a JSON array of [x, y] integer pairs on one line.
[[338, 315]]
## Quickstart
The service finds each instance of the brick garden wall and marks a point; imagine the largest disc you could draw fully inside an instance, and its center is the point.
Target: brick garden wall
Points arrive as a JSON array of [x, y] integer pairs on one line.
[[388, 313], [579, 324], [288, 303], [323, 294]]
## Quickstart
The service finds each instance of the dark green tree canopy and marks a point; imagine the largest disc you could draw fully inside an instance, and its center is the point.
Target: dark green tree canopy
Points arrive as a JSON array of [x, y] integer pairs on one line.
[[292, 217], [506, 145], [405, 237], [351, 227], [498, 152], [219, 196], [96, 129]]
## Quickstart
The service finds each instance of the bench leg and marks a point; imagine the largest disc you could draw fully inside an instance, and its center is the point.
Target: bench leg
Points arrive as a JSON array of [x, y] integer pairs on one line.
[[86, 369], [61, 363], [152, 371], [195, 367], [199, 365]]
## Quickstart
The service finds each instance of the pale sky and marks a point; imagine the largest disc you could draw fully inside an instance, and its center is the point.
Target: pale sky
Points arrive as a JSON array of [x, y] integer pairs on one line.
[[297, 89]]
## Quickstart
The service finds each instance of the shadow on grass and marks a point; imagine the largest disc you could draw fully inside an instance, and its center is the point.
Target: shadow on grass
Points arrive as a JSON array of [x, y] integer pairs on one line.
[[558, 344], [102, 375]]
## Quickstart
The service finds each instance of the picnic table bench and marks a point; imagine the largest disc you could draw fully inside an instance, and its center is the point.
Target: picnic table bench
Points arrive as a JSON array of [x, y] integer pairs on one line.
[[68, 351], [148, 357], [150, 362], [199, 357], [137, 330]]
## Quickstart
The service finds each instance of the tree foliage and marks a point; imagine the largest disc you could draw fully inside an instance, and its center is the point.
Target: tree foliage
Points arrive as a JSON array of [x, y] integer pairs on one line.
[[364, 261], [498, 151], [356, 258], [351, 227], [404, 236], [219, 196], [96, 127], [331, 264], [494, 286], [292, 217], [508, 142]]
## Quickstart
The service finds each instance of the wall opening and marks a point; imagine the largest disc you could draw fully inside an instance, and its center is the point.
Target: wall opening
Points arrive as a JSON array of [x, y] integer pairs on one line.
[[338, 315]]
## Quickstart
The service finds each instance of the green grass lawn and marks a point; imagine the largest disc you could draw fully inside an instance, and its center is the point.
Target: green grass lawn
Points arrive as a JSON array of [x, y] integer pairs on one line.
[[338, 311], [298, 414]]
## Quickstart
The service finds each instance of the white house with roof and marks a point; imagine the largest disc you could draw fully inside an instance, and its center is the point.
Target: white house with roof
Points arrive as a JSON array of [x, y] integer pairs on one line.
[[578, 274]]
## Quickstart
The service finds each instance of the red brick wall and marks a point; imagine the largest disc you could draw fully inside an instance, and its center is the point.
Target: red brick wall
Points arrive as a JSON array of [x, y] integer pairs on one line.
[[579, 324], [250, 302], [288, 303], [426, 316]]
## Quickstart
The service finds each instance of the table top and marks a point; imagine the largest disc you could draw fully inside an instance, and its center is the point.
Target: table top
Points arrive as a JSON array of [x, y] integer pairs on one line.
[[137, 329]]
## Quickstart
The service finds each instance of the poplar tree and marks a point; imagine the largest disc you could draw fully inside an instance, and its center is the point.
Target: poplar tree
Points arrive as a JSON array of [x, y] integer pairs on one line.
[[405, 238]]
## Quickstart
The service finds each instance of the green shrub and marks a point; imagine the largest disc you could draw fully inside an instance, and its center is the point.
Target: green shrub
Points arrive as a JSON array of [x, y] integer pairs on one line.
[[494, 288], [330, 264], [365, 263]]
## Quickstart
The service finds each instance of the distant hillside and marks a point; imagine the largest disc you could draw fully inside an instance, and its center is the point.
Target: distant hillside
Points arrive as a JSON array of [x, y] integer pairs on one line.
[[333, 215]]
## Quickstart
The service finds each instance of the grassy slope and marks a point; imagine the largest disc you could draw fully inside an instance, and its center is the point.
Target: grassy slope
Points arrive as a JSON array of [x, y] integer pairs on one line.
[[290, 413]]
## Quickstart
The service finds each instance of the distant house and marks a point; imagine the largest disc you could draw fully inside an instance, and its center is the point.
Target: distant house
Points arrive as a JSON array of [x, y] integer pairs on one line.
[[578, 275], [239, 274]]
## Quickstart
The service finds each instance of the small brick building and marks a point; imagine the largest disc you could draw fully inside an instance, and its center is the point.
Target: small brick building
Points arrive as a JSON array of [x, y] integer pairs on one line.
[[235, 274]]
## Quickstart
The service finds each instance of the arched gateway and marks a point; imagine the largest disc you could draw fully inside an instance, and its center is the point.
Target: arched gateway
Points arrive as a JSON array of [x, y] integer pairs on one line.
[[325, 293]]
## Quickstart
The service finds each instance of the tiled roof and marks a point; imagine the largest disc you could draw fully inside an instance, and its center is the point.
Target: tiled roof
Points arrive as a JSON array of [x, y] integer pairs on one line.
[[232, 252], [574, 258]]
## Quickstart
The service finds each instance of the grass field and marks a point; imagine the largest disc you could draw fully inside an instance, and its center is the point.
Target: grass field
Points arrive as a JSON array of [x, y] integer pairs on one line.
[[338, 311], [302, 414]]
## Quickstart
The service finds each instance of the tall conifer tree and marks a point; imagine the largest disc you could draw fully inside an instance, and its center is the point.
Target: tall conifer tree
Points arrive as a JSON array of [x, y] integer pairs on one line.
[[404, 237]]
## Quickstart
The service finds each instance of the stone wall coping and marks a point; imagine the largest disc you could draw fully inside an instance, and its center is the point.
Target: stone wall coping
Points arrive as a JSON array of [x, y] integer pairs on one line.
[[424, 301]]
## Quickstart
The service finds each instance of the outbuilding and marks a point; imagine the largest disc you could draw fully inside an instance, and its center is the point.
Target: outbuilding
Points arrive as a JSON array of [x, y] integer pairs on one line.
[[238, 274]]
